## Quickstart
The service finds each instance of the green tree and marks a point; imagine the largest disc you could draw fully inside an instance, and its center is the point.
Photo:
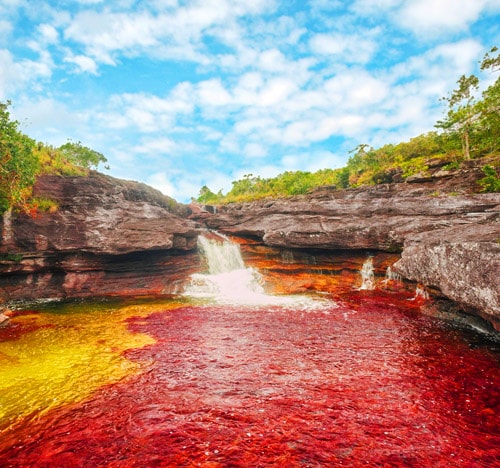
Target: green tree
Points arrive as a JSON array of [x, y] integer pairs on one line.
[[207, 196], [462, 111], [82, 156], [489, 106], [491, 181], [18, 166]]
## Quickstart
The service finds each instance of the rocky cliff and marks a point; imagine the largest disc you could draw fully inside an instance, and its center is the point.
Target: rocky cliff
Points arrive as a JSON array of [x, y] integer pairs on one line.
[[110, 237], [107, 237], [448, 235]]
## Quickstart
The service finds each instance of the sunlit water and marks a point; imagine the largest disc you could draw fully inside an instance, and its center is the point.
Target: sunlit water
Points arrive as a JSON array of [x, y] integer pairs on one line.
[[366, 380], [229, 281]]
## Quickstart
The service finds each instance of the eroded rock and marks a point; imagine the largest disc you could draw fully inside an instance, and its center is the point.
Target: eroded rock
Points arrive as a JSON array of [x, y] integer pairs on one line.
[[108, 237]]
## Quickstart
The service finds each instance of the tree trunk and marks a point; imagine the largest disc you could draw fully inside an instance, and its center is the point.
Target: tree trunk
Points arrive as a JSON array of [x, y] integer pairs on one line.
[[466, 144], [7, 234]]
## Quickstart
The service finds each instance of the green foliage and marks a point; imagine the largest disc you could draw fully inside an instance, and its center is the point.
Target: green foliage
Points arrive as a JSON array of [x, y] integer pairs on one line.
[[82, 156], [22, 160], [475, 122], [44, 205], [18, 167], [10, 257], [491, 181], [207, 196], [52, 161]]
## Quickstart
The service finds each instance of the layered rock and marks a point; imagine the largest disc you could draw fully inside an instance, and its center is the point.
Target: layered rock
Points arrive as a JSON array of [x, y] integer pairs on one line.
[[107, 237], [110, 237], [448, 235], [463, 262]]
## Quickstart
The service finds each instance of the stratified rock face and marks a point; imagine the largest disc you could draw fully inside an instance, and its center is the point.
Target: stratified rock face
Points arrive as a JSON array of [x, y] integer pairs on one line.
[[380, 217], [100, 214], [109, 237], [449, 236], [288, 271], [463, 263]]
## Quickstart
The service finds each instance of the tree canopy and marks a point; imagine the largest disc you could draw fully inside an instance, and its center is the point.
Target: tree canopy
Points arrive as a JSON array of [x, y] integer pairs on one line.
[[18, 167]]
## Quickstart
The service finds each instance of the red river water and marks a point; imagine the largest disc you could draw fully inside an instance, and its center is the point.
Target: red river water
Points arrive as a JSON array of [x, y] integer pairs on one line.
[[366, 381]]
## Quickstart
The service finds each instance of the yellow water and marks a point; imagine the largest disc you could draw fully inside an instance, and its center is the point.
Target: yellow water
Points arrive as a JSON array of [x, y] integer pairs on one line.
[[71, 350]]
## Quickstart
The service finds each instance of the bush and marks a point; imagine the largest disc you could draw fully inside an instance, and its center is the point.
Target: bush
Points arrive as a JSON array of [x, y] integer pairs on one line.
[[491, 182]]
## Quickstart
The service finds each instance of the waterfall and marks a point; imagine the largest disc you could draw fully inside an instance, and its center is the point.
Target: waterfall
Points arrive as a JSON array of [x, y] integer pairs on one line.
[[391, 275], [421, 292], [221, 254], [229, 281], [367, 274]]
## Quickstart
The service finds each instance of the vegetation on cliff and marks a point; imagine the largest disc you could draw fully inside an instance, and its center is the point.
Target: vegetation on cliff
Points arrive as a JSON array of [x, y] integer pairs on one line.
[[22, 159], [469, 130]]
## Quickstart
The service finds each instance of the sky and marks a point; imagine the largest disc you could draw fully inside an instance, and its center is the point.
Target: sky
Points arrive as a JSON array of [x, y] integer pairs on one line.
[[184, 93]]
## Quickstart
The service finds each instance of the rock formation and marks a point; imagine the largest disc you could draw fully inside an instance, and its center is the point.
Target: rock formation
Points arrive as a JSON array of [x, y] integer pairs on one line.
[[448, 235], [107, 237], [116, 238]]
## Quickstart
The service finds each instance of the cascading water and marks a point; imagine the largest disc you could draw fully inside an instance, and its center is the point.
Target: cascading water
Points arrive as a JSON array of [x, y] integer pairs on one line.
[[221, 254], [368, 275], [366, 381], [230, 281], [391, 275]]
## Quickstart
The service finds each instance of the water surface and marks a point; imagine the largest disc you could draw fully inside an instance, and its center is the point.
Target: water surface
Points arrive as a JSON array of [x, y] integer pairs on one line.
[[364, 381]]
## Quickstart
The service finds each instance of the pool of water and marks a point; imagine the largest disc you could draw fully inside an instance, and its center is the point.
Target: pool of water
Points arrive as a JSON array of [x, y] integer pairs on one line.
[[366, 380]]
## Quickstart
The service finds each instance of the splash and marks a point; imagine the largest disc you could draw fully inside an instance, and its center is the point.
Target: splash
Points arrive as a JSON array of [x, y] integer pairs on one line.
[[421, 292], [230, 281], [368, 275]]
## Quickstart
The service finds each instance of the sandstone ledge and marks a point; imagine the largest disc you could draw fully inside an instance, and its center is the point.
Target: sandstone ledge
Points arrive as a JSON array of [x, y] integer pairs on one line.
[[448, 236]]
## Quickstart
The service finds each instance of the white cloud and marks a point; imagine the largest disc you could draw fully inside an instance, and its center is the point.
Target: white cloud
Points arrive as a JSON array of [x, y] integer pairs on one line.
[[348, 48], [156, 146], [355, 88], [161, 182], [15, 75], [312, 161], [48, 34], [173, 32], [84, 63], [104, 33], [440, 65], [432, 17], [5, 31], [375, 7], [277, 90], [213, 93], [51, 121], [254, 150], [148, 113]]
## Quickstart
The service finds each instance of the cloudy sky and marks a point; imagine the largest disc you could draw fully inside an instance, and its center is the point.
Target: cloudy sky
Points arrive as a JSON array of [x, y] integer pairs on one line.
[[185, 93]]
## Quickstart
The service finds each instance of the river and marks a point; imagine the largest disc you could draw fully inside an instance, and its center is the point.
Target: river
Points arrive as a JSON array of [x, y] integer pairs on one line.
[[303, 381]]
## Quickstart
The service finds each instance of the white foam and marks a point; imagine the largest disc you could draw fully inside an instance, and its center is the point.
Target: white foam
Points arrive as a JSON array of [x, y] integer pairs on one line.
[[229, 281]]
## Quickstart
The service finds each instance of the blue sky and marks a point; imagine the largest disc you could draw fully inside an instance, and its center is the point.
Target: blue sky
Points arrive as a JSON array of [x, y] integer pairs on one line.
[[184, 93]]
